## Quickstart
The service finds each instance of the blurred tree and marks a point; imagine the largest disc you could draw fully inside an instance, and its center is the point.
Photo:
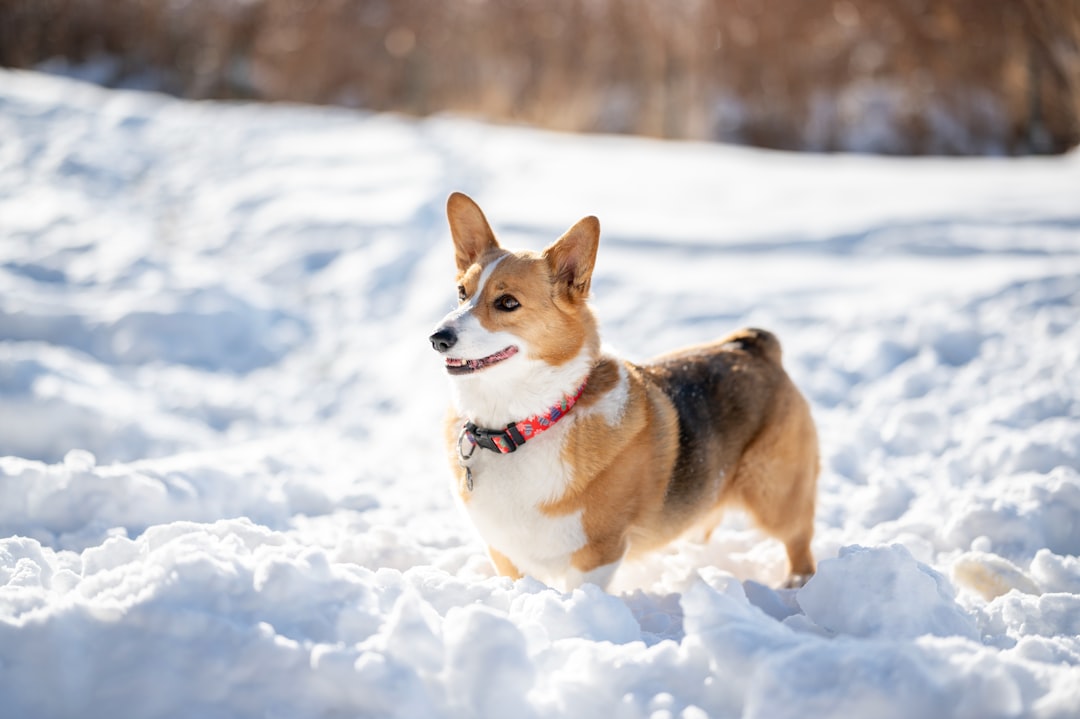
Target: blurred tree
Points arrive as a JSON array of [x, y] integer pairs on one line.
[[894, 76]]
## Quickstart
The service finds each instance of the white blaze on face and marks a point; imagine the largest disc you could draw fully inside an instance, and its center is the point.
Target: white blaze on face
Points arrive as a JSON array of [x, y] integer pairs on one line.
[[485, 275], [473, 340]]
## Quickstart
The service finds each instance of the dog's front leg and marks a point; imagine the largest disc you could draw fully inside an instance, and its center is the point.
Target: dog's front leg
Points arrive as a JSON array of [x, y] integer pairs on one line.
[[600, 576], [595, 563], [503, 565]]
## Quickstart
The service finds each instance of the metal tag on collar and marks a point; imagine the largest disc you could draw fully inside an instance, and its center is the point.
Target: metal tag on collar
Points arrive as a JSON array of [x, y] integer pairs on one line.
[[463, 435], [463, 459]]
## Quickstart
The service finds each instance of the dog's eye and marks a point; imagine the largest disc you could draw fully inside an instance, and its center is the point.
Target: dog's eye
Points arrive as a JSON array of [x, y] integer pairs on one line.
[[507, 303], [461, 293]]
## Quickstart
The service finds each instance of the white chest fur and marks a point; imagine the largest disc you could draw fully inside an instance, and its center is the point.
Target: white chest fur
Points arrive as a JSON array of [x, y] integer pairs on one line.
[[509, 491]]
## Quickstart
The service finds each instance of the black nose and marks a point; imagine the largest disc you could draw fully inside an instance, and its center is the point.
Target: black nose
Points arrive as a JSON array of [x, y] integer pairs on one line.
[[444, 339]]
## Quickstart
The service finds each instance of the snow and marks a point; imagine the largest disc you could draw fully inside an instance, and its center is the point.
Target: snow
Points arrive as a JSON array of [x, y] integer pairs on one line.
[[223, 491]]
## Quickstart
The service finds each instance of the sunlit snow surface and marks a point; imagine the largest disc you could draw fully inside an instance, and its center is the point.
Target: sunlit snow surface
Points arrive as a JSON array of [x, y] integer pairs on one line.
[[225, 493]]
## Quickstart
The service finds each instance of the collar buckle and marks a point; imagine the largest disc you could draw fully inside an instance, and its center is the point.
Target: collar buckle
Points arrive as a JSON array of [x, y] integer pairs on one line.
[[502, 441]]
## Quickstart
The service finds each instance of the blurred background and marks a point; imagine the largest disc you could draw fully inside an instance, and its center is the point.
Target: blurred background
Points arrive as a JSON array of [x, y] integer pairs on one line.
[[944, 77]]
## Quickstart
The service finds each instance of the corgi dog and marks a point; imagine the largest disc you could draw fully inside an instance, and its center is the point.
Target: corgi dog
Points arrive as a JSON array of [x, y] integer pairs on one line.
[[568, 460]]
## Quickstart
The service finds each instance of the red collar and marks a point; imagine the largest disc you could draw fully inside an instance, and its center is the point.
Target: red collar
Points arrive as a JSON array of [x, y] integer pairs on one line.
[[505, 441]]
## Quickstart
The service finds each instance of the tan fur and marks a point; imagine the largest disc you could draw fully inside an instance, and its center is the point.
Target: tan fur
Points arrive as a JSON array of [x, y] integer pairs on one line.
[[549, 324], [503, 565], [768, 467], [700, 429]]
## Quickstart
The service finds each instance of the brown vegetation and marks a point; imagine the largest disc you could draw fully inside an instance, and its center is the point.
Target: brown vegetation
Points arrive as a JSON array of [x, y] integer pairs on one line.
[[897, 76]]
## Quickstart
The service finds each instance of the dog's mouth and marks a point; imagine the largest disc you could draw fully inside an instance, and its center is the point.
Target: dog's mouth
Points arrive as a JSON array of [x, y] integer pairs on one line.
[[468, 366]]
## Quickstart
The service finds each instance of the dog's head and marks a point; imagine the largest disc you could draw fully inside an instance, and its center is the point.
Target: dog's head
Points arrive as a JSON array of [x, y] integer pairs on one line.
[[519, 313]]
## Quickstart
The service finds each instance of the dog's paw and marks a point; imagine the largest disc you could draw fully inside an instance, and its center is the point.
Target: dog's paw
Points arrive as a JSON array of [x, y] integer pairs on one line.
[[796, 581]]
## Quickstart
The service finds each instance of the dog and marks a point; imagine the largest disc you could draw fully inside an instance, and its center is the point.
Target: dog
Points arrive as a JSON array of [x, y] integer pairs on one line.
[[569, 460]]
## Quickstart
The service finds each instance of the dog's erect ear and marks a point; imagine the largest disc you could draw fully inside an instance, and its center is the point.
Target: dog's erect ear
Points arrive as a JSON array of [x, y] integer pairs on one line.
[[470, 229], [572, 256]]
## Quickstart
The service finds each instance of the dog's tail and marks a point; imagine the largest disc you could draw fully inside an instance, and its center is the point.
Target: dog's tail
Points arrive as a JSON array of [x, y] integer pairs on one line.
[[760, 342]]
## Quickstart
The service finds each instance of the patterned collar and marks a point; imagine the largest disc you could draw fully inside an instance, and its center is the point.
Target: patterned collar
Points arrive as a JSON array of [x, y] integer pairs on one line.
[[515, 434]]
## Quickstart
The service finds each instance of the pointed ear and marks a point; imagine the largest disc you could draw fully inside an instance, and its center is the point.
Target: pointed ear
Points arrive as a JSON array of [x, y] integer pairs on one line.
[[572, 256], [470, 230]]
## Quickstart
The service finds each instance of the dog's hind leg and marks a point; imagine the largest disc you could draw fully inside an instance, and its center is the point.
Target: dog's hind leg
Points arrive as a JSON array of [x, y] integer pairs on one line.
[[792, 522], [800, 560], [777, 483]]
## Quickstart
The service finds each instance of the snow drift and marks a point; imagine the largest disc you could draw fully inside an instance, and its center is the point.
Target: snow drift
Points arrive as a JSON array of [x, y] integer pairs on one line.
[[224, 492]]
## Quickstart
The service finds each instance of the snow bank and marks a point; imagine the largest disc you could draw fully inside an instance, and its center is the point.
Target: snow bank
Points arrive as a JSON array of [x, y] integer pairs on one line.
[[224, 492]]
